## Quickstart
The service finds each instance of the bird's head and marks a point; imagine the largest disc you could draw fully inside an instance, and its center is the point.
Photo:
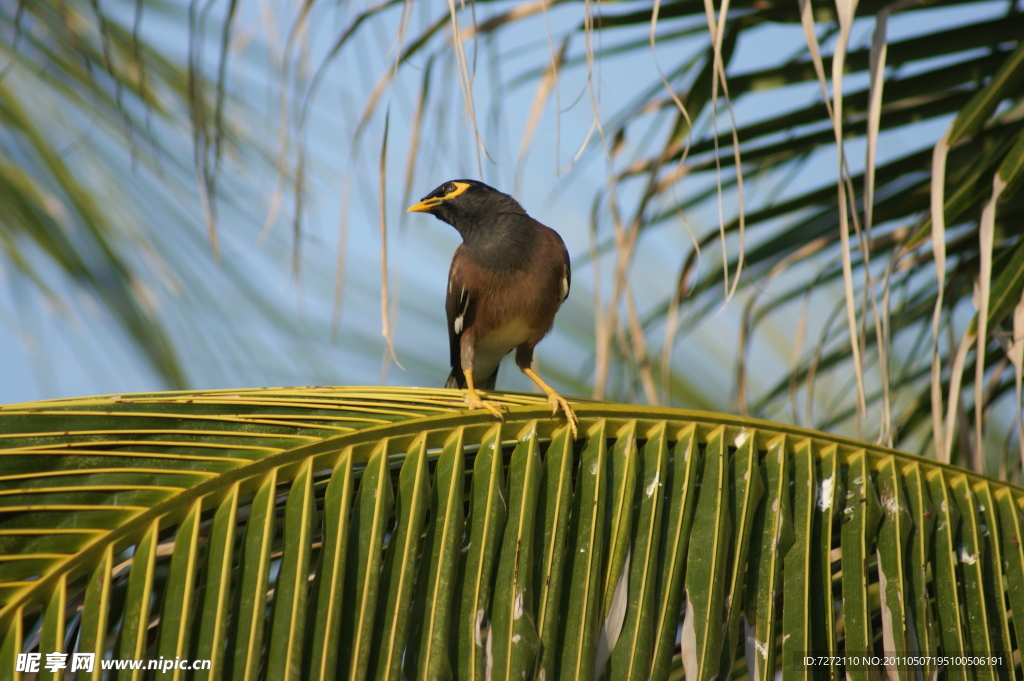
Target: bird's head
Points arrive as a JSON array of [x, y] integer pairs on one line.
[[467, 205]]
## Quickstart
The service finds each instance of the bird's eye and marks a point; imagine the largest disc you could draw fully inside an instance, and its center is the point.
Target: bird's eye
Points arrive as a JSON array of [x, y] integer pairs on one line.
[[449, 188]]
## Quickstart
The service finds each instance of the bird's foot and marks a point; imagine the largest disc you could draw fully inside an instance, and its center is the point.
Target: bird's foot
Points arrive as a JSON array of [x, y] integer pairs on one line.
[[473, 401], [555, 400], [558, 402]]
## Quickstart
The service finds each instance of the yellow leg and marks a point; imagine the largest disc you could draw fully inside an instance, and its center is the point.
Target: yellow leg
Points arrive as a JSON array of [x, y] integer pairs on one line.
[[555, 400], [473, 398]]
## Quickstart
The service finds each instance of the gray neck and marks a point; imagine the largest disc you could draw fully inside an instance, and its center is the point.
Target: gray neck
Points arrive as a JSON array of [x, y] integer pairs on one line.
[[501, 241]]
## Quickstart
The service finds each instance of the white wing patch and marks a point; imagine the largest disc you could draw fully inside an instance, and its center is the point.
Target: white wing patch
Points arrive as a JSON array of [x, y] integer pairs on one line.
[[457, 324], [565, 288]]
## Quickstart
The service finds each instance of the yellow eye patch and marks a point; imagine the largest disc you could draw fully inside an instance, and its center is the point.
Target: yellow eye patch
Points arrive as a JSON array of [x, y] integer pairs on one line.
[[426, 204], [460, 188]]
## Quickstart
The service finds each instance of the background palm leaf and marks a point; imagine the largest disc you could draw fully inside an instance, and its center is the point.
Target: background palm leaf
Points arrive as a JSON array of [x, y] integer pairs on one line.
[[372, 533], [675, 148], [106, 236], [678, 153]]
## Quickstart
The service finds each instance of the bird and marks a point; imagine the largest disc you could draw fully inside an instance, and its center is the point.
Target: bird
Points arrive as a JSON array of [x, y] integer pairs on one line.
[[508, 278]]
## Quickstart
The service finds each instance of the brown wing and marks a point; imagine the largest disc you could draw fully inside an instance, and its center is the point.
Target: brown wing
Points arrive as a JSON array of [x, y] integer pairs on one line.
[[457, 306], [567, 273], [554, 261]]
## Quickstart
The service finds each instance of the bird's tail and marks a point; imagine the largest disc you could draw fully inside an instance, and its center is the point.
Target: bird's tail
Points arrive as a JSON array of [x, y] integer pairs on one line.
[[457, 380]]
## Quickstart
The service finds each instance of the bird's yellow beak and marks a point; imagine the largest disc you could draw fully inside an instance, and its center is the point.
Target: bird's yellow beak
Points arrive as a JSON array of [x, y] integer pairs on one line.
[[423, 206]]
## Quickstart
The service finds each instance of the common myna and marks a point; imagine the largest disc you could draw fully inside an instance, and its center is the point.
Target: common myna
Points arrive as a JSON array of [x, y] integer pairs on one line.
[[507, 281]]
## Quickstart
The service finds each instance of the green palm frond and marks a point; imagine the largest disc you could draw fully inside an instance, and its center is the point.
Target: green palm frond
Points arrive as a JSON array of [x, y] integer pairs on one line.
[[350, 533]]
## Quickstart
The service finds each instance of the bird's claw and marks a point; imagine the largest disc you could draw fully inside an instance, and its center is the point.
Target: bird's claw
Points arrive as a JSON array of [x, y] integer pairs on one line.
[[473, 401], [558, 402]]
